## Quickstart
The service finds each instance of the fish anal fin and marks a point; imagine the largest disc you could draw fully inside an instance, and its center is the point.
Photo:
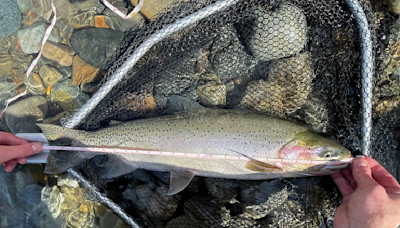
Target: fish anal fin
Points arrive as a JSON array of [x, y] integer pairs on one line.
[[179, 181], [258, 166]]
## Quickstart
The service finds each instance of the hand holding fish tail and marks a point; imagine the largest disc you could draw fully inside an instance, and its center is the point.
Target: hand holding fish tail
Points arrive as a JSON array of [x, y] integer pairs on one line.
[[13, 150], [371, 196]]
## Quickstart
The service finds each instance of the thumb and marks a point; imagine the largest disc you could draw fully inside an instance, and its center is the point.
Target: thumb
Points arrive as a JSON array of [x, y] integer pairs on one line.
[[362, 173], [10, 152]]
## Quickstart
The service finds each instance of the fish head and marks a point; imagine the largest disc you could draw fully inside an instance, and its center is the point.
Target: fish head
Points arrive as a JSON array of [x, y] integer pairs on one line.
[[309, 145]]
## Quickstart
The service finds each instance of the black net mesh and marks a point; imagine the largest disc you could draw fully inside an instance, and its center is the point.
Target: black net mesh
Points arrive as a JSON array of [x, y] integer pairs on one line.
[[299, 60]]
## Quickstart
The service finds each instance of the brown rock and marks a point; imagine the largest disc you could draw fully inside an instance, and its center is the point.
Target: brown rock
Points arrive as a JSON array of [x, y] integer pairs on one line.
[[83, 20], [82, 72], [5, 64], [99, 22], [60, 53], [50, 75], [30, 18], [35, 85], [139, 103], [19, 78]]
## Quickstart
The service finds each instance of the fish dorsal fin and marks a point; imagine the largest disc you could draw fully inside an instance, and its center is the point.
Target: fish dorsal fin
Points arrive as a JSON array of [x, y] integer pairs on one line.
[[180, 104], [258, 166], [179, 181]]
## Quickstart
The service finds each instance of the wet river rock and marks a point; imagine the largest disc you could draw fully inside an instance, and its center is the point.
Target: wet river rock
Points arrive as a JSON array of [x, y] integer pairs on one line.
[[286, 89], [10, 17], [30, 38], [22, 116], [274, 34], [89, 44]]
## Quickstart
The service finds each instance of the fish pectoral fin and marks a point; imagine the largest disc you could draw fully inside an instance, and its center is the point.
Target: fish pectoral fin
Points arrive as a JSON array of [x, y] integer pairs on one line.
[[179, 181], [259, 166]]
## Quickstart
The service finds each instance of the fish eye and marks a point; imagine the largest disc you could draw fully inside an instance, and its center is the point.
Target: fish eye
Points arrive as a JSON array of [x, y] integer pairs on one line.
[[327, 154]]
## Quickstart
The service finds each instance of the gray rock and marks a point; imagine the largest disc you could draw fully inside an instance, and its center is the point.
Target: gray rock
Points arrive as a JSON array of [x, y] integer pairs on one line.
[[7, 90], [30, 38], [153, 202], [69, 96], [10, 17], [274, 34], [23, 7], [222, 189], [181, 221], [228, 58], [66, 71], [89, 44], [50, 75], [31, 194], [118, 23], [180, 80], [22, 116], [90, 87]]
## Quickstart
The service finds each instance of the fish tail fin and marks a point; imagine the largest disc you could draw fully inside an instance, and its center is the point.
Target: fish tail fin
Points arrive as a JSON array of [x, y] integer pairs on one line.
[[54, 132]]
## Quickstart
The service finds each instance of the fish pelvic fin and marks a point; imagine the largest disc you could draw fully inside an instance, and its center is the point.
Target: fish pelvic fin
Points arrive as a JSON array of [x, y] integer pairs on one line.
[[54, 132]]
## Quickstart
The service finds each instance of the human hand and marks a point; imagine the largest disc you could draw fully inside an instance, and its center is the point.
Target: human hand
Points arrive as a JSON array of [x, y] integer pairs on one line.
[[371, 196], [13, 150]]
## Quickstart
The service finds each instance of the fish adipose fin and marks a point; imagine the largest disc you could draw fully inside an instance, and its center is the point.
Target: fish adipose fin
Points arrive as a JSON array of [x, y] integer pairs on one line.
[[256, 165], [179, 181], [180, 104]]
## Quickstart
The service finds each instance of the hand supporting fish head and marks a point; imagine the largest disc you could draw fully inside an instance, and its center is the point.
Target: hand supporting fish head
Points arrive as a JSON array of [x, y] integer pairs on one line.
[[309, 145]]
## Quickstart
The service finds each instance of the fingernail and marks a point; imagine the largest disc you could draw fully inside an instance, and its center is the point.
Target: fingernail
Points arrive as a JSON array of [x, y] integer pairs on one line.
[[34, 148], [360, 156], [361, 162]]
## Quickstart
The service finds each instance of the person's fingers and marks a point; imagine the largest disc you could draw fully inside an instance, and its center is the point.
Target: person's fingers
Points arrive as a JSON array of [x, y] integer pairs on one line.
[[22, 161], [10, 152], [10, 165], [349, 176], [10, 139], [382, 176], [362, 174], [343, 184]]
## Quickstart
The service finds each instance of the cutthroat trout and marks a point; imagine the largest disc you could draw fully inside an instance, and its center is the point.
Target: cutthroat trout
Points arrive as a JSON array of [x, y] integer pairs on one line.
[[203, 131]]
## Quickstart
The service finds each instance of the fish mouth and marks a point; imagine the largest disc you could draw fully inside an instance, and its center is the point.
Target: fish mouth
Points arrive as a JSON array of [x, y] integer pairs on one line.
[[337, 166]]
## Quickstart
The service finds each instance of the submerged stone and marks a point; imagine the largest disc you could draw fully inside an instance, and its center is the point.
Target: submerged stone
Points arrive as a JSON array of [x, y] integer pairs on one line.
[[89, 45], [50, 75], [60, 53], [10, 18], [275, 34], [69, 96], [22, 116], [30, 38], [35, 85], [82, 72]]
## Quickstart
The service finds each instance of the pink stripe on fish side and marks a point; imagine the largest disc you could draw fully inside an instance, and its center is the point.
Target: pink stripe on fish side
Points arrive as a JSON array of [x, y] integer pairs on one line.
[[205, 156]]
